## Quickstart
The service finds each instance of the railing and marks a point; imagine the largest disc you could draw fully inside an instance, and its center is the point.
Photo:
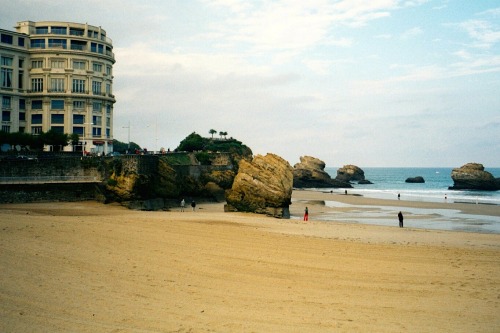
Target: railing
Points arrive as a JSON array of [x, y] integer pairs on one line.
[[48, 179]]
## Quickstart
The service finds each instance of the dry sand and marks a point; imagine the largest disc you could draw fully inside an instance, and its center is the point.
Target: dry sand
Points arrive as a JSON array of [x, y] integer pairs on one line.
[[86, 267]]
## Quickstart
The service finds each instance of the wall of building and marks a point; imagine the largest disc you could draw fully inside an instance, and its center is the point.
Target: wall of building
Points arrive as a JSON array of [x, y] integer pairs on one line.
[[61, 79]]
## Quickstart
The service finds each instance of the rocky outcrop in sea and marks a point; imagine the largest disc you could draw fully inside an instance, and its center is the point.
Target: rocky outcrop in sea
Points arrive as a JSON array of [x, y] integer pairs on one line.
[[472, 176], [310, 173], [262, 186], [417, 179], [349, 173]]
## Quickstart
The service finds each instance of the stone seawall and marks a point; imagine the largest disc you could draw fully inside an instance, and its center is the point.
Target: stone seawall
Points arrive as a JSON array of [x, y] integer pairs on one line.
[[19, 193]]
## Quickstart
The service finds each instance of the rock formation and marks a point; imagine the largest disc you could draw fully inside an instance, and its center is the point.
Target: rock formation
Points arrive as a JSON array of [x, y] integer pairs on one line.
[[472, 176], [418, 179], [310, 173], [350, 173], [262, 186]]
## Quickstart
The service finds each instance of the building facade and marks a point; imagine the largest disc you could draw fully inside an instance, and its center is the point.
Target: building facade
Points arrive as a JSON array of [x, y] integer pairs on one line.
[[58, 76]]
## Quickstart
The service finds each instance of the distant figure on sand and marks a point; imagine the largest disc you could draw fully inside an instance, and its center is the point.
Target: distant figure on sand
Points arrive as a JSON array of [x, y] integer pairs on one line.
[[399, 196], [400, 218], [193, 204], [306, 214], [183, 204]]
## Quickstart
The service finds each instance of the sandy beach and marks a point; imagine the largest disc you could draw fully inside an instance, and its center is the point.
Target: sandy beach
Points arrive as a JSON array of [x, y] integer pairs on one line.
[[88, 267]]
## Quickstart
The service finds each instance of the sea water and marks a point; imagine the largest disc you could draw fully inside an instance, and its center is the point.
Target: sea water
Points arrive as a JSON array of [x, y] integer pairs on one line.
[[389, 182]]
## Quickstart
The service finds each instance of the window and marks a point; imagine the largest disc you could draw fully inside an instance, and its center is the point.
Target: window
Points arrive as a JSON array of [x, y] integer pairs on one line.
[[108, 88], [108, 109], [108, 122], [42, 30], [57, 43], [96, 131], [93, 47], [76, 32], [22, 116], [6, 128], [37, 43], [100, 49], [7, 39], [36, 63], [96, 106], [5, 115], [36, 104], [20, 79], [96, 87], [57, 129], [92, 34], [78, 105], [78, 130], [79, 64], [36, 130], [6, 102], [22, 104], [57, 85], [36, 118], [78, 119], [97, 67], [78, 86], [57, 118], [7, 61], [78, 45], [108, 70], [20, 41], [6, 72], [37, 85], [108, 133], [57, 64], [6, 77], [59, 30], [97, 120], [57, 104]]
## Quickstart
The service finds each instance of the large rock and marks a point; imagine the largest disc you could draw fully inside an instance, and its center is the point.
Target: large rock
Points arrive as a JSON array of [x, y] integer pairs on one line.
[[262, 186], [418, 179], [472, 176], [310, 173], [350, 173]]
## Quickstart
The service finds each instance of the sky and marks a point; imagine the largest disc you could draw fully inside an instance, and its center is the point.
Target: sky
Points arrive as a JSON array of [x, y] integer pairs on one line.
[[379, 83]]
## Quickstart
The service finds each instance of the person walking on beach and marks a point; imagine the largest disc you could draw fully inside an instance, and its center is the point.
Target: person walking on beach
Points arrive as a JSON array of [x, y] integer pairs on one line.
[[193, 204], [306, 214], [399, 196], [183, 204], [400, 218]]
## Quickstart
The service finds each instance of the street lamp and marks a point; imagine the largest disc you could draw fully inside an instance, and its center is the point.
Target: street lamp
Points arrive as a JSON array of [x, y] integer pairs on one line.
[[128, 149]]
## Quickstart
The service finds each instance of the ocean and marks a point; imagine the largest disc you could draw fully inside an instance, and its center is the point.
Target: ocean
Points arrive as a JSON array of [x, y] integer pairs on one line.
[[389, 182]]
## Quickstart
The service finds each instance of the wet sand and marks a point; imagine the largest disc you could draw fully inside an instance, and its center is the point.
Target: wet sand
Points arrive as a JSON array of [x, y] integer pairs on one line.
[[87, 267]]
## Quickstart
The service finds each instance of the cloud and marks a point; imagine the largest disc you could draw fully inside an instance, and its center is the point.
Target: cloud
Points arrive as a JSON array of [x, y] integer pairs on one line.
[[485, 34]]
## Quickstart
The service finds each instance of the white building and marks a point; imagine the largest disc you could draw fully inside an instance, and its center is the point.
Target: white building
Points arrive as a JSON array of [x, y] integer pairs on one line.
[[59, 76]]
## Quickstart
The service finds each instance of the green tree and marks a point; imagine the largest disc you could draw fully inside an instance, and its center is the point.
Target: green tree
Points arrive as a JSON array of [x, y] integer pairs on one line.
[[212, 132], [121, 147], [55, 139], [192, 142]]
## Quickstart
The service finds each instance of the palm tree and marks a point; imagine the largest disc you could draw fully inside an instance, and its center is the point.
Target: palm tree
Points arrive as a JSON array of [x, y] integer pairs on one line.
[[212, 131], [225, 134]]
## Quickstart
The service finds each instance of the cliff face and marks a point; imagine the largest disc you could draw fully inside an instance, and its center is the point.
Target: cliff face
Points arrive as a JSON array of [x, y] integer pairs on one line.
[[169, 177], [262, 186]]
